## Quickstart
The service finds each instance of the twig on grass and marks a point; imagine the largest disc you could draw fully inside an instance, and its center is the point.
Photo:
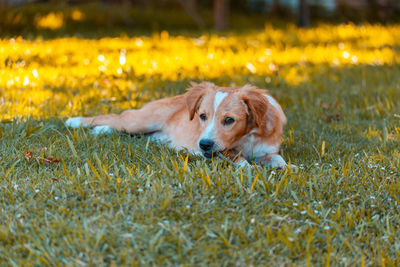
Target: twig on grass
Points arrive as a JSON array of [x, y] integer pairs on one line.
[[29, 155]]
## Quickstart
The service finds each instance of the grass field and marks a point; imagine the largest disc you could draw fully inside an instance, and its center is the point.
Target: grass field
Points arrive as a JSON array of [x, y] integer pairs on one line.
[[70, 198]]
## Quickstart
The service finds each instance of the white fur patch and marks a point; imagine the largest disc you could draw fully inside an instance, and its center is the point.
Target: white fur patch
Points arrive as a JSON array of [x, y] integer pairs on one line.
[[277, 162], [104, 129], [264, 149], [160, 138], [243, 164], [272, 101], [75, 122], [219, 96], [209, 132]]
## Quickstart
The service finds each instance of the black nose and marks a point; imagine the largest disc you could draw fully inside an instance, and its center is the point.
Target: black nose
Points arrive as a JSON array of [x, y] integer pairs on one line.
[[206, 144]]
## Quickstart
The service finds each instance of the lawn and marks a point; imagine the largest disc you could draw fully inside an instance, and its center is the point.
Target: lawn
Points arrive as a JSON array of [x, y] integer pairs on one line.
[[70, 198]]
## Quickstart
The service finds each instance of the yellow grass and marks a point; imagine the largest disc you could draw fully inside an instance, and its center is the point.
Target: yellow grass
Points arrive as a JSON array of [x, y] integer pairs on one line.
[[31, 71]]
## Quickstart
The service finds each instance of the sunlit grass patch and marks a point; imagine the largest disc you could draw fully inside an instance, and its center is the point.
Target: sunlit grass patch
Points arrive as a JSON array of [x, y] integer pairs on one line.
[[116, 68], [120, 199]]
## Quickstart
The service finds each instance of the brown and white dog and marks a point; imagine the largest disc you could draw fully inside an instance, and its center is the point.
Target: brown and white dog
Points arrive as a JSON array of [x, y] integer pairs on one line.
[[240, 124]]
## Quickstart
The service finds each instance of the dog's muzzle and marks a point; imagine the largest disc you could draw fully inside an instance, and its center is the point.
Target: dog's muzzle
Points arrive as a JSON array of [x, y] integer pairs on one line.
[[207, 147]]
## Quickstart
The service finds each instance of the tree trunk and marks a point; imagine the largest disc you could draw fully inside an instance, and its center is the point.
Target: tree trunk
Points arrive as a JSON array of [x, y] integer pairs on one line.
[[221, 14], [304, 14], [190, 6]]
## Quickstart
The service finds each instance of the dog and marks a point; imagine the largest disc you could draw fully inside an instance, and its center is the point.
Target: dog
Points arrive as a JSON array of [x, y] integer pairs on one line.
[[238, 124]]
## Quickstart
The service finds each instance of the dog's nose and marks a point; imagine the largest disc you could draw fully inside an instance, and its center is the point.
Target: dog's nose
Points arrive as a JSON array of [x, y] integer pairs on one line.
[[206, 144]]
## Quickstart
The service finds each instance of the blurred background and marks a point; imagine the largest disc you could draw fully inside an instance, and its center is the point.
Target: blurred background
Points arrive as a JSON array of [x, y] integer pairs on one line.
[[111, 17], [66, 57]]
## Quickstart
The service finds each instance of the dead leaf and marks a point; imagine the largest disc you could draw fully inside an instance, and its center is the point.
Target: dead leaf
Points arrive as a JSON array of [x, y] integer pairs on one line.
[[47, 160], [53, 160], [28, 155]]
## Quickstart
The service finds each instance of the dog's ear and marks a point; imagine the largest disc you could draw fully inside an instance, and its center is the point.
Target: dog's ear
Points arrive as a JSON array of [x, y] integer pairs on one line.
[[257, 105], [194, 95]]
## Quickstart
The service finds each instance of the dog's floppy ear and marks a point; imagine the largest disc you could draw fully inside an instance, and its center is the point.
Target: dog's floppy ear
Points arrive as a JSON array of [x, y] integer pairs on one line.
[[256, 103], [193, 97]]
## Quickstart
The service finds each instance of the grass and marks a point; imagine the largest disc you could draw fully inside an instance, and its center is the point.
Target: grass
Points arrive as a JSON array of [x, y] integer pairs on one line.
[[122, 200]]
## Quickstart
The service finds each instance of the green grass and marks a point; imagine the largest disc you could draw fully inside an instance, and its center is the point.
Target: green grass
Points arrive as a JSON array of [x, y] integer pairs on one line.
[[122, 200]]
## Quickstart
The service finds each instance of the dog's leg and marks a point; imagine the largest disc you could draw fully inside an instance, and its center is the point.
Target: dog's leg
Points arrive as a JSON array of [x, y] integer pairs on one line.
[[148, 119], [102, 124]]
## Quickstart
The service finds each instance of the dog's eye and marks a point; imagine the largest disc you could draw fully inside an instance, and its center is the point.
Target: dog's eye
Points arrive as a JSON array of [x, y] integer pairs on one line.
[[203, 116], [228, 120]]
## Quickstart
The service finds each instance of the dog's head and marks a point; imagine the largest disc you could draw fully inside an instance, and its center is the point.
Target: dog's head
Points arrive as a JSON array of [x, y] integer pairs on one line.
[[226, 115]]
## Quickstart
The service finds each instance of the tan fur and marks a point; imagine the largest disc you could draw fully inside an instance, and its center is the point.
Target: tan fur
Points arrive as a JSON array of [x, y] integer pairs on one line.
[[256, 132]]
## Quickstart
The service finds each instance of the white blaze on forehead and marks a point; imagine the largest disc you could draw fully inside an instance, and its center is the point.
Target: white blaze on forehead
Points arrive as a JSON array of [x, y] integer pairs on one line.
[[272, 101], [219, 96], [208, 133]]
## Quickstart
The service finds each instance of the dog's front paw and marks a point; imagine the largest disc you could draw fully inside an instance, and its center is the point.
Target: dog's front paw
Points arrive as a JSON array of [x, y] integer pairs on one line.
[[277, 162], [74, 122], [243, 164]]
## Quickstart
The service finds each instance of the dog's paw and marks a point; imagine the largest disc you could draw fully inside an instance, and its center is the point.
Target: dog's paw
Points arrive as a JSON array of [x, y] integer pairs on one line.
[[243, 164], [293, 167], [74, 122], [104, 129], [277, 162]]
